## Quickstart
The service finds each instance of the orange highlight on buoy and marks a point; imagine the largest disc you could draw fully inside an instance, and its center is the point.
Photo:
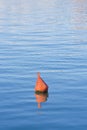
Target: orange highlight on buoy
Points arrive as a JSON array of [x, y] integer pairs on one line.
[[41, 86]]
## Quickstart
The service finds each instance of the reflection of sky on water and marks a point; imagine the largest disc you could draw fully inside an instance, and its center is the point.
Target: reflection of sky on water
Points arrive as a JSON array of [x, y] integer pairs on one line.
[[43, 16], [79, 14], [76, 11]]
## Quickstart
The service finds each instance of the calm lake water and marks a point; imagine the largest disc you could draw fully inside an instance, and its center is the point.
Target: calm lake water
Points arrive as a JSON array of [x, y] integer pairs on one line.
[[50, 37]]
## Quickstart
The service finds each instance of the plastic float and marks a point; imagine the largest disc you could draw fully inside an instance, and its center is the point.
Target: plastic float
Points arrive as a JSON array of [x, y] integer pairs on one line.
[[41, 86]]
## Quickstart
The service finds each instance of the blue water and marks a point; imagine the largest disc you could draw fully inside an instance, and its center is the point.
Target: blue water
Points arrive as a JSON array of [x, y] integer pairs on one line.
[[50, 37]]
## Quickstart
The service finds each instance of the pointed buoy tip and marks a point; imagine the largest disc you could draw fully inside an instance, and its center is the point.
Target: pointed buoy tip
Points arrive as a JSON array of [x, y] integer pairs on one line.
[[38, 74]]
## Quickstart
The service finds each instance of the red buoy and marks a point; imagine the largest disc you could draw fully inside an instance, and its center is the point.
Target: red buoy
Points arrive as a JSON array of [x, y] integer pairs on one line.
[[41, 86]]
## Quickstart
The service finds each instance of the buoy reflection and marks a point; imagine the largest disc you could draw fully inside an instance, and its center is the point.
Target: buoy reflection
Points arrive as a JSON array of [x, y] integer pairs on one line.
[[41, 97]]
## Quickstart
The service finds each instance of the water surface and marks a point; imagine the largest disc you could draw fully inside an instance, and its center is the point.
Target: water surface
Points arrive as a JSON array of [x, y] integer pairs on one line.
[[50, 37]]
